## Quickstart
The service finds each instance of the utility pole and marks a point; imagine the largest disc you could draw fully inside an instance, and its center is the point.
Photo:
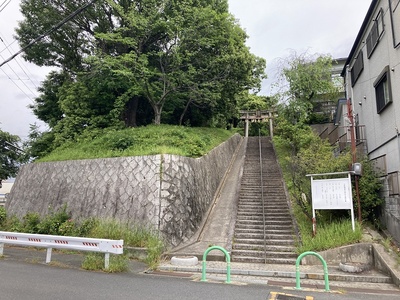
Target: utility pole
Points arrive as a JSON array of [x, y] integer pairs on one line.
[[354, 154]]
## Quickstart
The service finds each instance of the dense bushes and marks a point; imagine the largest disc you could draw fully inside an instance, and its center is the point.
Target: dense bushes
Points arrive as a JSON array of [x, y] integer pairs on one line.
[[300, 152], [60, 223]]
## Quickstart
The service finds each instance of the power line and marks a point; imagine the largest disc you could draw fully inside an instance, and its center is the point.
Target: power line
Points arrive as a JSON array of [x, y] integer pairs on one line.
[[30, 98], [18, 78], [4, 5], [24, 69], [55, 27]]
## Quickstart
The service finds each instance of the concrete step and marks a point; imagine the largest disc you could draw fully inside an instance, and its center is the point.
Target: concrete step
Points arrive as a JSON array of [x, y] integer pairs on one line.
[[267, 207], [261, 260], [260, 230], [257, 219], [272, 248], [267, 227], [260, 236], [274, 242], [260, 253], [268, 213]]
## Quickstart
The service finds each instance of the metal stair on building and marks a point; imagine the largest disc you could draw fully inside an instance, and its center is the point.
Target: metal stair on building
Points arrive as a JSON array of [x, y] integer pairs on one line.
[[258, 239]]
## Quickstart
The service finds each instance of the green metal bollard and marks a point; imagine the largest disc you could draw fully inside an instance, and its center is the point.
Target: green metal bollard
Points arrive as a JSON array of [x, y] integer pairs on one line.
[[326, 276], [228, 262]]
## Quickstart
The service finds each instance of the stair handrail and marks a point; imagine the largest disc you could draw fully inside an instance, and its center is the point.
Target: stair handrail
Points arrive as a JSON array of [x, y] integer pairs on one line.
[[262, 195]]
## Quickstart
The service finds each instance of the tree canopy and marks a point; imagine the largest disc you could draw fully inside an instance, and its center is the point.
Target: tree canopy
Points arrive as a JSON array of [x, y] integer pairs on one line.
[[9, 155], [307, 79], [138, 61]]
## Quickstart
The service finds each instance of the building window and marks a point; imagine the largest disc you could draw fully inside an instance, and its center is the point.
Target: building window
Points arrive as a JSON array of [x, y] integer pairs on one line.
[[383, 90], [395, 21], [394, 183], [375, 33], [357, 68], [379, 165]]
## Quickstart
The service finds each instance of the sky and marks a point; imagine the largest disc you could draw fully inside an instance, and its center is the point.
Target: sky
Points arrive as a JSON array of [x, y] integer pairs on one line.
[[275, 29]]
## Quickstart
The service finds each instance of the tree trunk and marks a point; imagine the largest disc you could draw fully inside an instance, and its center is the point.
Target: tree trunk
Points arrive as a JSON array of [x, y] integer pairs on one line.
[[157, 114], [184, 112], [130, 112]]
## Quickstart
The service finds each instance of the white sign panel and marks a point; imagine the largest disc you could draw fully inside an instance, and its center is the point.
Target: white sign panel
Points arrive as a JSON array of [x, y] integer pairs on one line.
[[332, 193]]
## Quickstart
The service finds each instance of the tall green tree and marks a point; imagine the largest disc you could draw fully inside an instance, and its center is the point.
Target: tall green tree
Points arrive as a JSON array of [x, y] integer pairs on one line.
[[124, 57], [67, 46], [198, 52], [47, 106], [306, 79]]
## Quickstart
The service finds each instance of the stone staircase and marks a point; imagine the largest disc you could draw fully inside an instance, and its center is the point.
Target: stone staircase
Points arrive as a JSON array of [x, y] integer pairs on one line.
[[258, 239]]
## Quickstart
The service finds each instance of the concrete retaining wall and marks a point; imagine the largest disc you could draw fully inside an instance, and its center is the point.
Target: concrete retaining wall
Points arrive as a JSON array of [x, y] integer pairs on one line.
[[391, 217], [372, 254], [360, 253], [167, 192]]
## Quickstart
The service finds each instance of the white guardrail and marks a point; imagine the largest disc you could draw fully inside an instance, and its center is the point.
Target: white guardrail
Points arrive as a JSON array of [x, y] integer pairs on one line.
[[62, 242]]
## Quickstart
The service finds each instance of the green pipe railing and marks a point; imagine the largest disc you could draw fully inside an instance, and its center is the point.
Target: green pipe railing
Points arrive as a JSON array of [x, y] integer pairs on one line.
[[228, 262], [326, 277]]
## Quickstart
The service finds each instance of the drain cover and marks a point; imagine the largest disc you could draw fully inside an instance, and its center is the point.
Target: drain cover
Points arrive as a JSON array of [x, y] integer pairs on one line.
[[279, 296]]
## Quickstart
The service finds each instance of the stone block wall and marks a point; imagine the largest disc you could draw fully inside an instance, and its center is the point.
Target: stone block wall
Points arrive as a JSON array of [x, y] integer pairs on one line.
[[391, 217], [169, 193]]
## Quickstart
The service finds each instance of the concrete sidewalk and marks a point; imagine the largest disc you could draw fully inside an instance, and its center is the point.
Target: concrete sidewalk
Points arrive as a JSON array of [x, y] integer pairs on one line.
[[311, 276]]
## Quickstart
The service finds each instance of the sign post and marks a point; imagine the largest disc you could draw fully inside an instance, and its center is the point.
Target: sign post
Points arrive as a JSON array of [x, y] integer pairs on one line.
[[334, 193]]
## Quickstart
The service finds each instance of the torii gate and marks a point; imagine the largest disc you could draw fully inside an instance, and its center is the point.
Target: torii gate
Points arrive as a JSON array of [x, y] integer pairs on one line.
[[257, 116]]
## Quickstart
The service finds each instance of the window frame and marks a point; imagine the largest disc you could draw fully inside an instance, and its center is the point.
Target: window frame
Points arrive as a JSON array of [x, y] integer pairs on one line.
[[374, 35], [394, 8], [357, 67], [383, 77]]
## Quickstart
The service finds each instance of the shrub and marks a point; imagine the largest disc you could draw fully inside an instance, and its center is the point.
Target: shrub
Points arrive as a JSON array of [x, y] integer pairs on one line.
[[95, 261], [60, 223], [30, 222], [86, 227], [369, 187], [13, 224], [68, 228], [329, 235], [52, 222], [155, 248], [3, 216]]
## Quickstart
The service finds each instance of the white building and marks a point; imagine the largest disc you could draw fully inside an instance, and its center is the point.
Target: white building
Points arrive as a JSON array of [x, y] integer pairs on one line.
[[372, 76], [5, 189]]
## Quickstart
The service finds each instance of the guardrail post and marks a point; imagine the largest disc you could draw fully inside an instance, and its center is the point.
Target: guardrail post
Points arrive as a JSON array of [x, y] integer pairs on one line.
[[326, 276], [48, 255], [107, 260], [228, 263]]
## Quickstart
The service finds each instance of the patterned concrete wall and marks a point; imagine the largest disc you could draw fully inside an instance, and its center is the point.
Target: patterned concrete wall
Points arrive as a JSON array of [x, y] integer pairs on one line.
[[391, 217], [170, 193]]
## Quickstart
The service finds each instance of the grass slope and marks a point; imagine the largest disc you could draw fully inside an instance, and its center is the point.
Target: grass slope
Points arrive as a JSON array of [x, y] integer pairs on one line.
[[149, 140]]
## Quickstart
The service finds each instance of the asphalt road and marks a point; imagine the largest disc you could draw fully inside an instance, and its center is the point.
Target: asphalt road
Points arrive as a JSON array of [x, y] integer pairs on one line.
[[23, 280]]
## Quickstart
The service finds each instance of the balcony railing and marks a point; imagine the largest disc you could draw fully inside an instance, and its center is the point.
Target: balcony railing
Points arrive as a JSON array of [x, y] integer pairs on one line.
[[341, 136]]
